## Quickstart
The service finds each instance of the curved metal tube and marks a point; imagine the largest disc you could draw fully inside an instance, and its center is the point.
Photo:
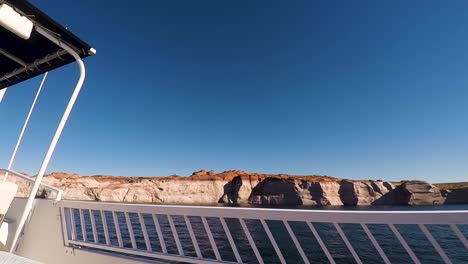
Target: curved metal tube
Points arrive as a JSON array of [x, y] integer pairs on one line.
[[56, 137]]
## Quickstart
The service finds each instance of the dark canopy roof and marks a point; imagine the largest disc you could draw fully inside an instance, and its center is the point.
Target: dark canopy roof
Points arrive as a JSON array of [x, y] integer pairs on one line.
[[37, 54]]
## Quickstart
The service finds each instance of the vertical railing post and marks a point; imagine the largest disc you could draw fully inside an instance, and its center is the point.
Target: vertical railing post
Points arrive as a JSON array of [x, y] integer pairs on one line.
[[347, 243], [320, 241], [296, 242], [130, 230], [192, 236], [83, 227], [251, 241], [160, 234], [434, 243], [273, 241], [93, 226], [231, 240], [459, 234], [145, 232], [117, 228], [105, 227], [404, 244], [66, 224], [211, 238], [176, 236], [375, 243], [72, 224]]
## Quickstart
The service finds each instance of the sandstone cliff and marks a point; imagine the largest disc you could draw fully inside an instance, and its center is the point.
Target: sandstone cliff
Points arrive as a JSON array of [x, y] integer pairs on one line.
[[243, 187]]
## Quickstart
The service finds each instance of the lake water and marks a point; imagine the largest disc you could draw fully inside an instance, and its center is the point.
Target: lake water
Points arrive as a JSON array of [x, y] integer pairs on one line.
[[389, 243]]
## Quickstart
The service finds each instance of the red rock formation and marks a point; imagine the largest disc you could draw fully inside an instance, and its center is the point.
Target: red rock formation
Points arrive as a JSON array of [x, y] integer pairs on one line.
[[236, 186]]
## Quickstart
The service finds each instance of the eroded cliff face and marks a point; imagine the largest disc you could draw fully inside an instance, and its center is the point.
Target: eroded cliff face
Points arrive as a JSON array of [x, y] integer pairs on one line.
[[242, 187], [418, 193]]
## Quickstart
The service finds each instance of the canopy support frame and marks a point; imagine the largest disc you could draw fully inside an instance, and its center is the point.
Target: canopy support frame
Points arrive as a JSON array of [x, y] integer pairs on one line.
[[33, 66], [12, 57], [82, 72]]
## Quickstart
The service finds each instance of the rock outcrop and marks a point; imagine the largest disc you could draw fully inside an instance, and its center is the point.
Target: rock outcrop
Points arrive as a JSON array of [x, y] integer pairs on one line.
[[418, 193], [455, 196], [240, 187]]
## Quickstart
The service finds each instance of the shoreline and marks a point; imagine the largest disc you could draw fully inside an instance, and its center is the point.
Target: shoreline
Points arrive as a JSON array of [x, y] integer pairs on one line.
[[246, 188]]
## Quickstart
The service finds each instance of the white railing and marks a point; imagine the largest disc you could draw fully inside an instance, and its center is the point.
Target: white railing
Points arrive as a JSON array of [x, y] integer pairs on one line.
[[59, 192], [193, 233]]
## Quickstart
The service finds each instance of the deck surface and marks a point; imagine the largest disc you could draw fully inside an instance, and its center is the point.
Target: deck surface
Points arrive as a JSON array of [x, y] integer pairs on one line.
[[8, 258]]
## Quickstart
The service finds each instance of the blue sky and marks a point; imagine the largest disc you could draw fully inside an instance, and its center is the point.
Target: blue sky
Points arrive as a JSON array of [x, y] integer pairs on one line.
[[352, 89]]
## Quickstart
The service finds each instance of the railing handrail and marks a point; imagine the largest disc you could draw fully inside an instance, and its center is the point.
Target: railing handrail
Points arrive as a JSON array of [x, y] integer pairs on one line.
[[333, 216], [30, 179], [77, 229]]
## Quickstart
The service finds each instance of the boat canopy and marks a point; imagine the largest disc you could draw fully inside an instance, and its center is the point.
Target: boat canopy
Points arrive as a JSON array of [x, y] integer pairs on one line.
[[21, 58]]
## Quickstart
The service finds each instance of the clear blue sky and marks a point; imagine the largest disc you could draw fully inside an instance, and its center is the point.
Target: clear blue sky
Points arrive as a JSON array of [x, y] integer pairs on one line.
[[352, 89]]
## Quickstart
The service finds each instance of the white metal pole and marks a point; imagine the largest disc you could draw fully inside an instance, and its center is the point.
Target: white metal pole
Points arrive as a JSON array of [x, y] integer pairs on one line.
[[56, 137], [13, 155], [2, 93]]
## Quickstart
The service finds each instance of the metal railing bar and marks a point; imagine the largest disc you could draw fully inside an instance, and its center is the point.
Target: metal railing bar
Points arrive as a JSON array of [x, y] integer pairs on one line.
[[176, 236], [93, 226], [104, 225], [296, 242], [435, 244], [375, 243], [273, 241], [211, 238], [66, 227], [231, 241], [145, 232], [130, 230], [30, 179], [71, 229], [192, 236], [251, 241], [31, 66], [72, 223], [320, 241], [117, 228], [337, 216], [144, 253], [12, 57], [83, 229], [348, 244], [160, 234], [404, 244], [459, 234]]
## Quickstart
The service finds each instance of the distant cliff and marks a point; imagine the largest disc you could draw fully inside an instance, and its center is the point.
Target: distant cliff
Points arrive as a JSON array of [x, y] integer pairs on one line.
[[240, 187]]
